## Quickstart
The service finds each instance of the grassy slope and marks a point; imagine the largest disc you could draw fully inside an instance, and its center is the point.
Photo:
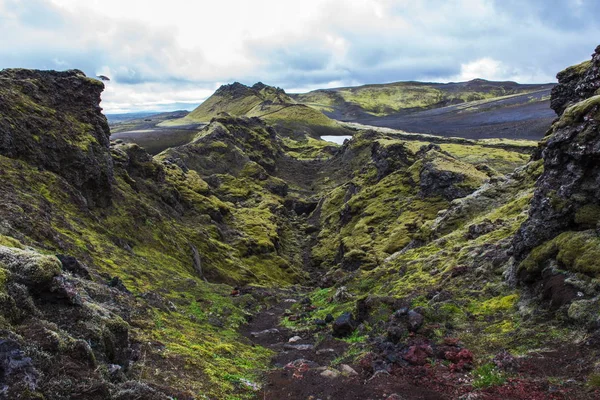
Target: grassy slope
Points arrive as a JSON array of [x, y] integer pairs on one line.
[[385, 99], [271, 104]]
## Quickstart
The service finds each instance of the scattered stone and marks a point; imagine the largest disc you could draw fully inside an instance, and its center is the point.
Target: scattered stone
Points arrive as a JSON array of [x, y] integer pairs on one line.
[[396, 332], [341, 294], [294, 339], [401, 312], [347, 370], [320, 322], [324, 351], [418, 354], [265, 332], [506, 362], [329, 318], [114, 368], [415, 320], [301, 363], [17, 373], [298, 347], [378, 373], [344, 325], [290, 301], [462, 360], [72, 265], [395, 396], [330, 373], [118, 284]]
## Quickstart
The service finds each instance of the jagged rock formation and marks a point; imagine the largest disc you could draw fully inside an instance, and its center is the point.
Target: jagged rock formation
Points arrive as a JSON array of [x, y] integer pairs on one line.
[[576, 83], [557, 247], [54, 121]]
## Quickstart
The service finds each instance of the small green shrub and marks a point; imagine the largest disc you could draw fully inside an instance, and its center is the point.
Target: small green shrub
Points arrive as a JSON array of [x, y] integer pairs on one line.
[[487, 375]]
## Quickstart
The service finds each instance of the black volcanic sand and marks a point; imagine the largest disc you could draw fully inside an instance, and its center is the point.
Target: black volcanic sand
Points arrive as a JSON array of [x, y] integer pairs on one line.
[[526, 116]]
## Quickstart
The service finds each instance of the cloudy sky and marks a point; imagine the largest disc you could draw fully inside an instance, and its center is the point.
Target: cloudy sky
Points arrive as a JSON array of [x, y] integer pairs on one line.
[[164, 55]]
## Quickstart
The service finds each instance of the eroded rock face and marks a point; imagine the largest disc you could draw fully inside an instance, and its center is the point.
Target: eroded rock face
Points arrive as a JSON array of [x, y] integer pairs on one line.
[[556, 248], [576, 83], [53, 120], [567, 196]]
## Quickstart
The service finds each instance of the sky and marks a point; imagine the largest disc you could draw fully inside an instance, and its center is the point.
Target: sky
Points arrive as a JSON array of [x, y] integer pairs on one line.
[[167, 55]]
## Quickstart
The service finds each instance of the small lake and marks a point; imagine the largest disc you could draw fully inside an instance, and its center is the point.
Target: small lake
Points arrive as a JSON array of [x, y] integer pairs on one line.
[[336, 139]]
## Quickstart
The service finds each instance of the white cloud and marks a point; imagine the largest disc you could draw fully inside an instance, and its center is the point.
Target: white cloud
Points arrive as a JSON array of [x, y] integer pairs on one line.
[[160, 52]]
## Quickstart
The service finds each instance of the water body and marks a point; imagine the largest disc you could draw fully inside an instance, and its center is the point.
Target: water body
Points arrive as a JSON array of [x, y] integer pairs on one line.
[[336, 139]]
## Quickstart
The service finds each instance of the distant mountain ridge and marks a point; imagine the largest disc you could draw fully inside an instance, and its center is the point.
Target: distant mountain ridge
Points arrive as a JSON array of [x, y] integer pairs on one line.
[[389, 98], [267, 102], [475, 109]]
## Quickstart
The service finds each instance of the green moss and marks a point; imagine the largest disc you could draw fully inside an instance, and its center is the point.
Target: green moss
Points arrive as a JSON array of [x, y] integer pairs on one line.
[[575, 251], [575, 112], [495, 305], [29, 266], [588, 215], [10, 242], [578, 69], [594, 380]]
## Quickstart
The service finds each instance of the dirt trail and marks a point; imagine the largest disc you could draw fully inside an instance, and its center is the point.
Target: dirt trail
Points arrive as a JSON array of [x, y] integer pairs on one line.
[[303, 369]]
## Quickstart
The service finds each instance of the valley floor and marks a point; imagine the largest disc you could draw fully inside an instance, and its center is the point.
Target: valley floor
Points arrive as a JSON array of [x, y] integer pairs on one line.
[[311, 363]]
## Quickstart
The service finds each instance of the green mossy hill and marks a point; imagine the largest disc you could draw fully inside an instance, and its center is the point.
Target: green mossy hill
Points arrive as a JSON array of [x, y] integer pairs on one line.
[[268, 103], [53, 120], [380, 191], [226, 145], [386, 99], [135, 296], [448, 260]]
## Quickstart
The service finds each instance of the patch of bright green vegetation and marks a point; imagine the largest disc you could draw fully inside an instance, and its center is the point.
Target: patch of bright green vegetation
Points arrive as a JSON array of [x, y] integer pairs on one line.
[[575, 251], [487, 375]]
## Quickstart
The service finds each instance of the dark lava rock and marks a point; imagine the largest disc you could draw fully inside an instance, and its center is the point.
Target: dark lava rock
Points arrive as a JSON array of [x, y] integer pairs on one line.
[[320, 322], [567, 195], [344, 325], [396, 332], [415, 320], [484, 227], [73, 265], [571, 154], [118, 284], [435, 181], [17, 373], [576, 83], [53, 120], [329, 318], [418, 354]]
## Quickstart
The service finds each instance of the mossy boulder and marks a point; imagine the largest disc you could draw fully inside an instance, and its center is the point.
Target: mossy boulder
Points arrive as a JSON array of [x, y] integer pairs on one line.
[[30, 268]]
